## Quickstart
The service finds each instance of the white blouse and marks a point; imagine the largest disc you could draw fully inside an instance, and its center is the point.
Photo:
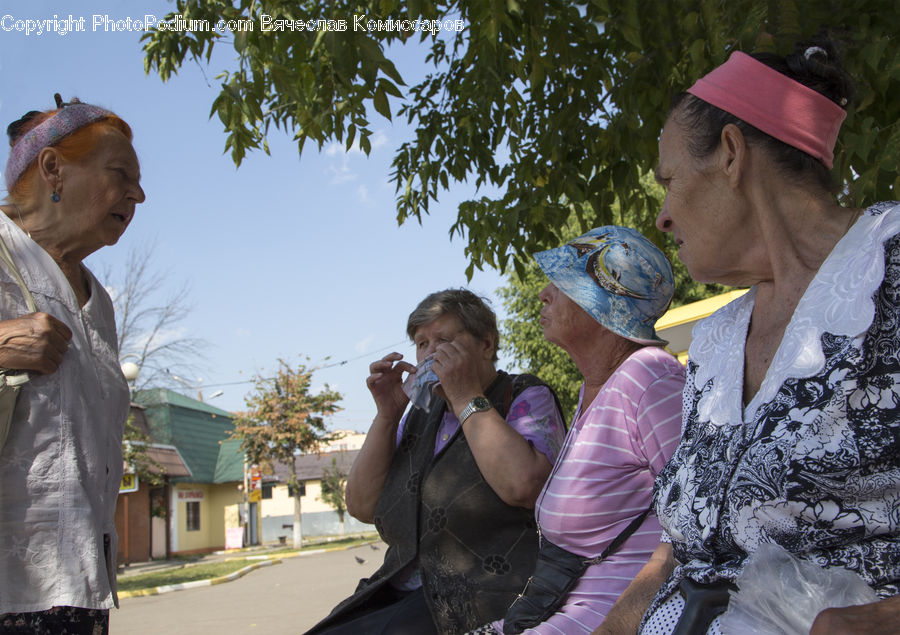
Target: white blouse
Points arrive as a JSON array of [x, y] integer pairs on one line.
[[61, 465]]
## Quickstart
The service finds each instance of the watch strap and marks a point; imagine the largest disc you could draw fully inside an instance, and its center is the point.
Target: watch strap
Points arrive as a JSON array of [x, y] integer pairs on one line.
[[477, 404]]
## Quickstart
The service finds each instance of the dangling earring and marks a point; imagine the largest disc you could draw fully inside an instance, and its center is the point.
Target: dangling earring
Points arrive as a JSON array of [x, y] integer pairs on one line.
[[55, 196]]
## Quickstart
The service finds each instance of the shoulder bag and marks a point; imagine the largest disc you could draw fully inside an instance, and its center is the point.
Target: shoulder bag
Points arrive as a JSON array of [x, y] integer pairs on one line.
[[11, 380], [557, 571]]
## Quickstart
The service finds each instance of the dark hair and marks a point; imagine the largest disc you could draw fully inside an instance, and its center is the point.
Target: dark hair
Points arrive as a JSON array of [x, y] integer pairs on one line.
[[472, 311], [821, 71]]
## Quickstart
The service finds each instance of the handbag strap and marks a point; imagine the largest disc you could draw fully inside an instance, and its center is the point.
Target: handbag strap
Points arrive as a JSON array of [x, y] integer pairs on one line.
[[14, 272], [622, 537]]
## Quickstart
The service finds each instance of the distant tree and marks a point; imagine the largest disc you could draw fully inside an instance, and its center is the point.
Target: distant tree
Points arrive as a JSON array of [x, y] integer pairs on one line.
[[554, 104], [284, 418], [135, 443], [334, 482], [150, 315]]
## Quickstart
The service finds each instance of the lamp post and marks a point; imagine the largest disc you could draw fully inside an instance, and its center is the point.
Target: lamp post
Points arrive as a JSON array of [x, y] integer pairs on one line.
[[131, 371]]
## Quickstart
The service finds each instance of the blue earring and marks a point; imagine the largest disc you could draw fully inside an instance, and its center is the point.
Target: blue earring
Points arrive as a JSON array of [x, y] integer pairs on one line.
[[55, 196]]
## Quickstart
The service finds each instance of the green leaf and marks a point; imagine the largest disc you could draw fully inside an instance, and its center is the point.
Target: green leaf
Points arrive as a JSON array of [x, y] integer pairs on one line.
[[380, 101]]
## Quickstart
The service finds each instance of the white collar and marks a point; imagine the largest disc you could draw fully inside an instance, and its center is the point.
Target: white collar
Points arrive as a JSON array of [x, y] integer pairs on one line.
[[839, 300]]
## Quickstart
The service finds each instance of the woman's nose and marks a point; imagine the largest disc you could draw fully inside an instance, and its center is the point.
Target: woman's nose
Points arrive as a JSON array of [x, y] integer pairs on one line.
[[544, 295], [139, 195], [663, 220]]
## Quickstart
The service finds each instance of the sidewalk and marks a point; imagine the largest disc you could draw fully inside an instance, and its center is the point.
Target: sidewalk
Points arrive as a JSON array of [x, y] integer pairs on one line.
[[266, 555], [276, 600]]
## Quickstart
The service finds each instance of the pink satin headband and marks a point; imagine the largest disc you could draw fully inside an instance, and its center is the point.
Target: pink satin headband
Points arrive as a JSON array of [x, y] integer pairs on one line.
[[774, 103], [70, 118]]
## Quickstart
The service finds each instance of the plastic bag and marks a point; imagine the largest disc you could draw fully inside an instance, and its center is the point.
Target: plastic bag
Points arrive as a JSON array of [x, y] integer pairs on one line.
[[420, 385], [779, 594]]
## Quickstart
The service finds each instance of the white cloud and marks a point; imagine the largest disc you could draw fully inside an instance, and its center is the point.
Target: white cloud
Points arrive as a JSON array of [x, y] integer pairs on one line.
[[341, 172], [377, 140], [339, 167], [364, 344]]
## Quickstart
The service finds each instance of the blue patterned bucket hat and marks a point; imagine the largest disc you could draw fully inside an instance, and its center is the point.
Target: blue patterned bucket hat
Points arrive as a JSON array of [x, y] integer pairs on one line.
[[615, 274]]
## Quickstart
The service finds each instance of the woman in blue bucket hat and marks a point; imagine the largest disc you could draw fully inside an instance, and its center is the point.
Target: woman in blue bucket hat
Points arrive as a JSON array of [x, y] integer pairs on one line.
[[607, 289]]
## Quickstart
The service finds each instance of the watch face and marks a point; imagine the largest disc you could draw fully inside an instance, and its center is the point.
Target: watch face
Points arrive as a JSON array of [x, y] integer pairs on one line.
[[481, 403]]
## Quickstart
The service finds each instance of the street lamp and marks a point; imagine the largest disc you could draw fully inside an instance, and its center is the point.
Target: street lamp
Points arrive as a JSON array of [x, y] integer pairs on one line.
[[130, 370], [198, 386]]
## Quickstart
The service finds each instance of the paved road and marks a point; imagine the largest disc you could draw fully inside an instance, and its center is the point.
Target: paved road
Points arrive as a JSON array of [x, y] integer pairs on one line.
[[284, 598]]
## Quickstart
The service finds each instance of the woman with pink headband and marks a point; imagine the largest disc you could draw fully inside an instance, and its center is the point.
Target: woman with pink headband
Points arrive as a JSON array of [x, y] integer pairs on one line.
[[791, 429], [73, 181]]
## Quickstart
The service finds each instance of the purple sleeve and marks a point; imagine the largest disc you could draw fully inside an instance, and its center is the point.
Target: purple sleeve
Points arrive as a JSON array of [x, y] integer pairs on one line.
[[534, 415], [400, 427]]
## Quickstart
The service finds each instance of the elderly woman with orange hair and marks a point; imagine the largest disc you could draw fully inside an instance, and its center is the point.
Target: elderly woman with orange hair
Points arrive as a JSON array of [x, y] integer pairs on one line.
[[73, 184]]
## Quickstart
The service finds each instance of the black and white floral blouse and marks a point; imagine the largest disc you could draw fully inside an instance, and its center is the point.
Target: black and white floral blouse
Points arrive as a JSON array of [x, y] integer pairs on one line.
[[813, 461]]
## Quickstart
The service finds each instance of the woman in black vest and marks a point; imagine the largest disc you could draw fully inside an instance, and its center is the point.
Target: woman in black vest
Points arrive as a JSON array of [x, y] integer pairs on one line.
[[451, 485]]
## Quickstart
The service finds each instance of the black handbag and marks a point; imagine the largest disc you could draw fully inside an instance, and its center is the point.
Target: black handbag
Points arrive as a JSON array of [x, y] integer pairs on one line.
[[555, 573], [702, 604]]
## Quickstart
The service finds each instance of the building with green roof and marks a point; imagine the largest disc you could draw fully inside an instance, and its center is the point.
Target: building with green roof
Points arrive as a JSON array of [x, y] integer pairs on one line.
[[203, 505]]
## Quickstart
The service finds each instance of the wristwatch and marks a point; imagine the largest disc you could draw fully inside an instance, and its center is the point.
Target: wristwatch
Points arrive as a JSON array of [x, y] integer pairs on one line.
[[478, 404]]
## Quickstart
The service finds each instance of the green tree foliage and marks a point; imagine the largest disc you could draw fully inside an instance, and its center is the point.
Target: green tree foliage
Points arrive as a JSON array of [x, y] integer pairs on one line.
[[556, 105], [334, 482], [285, 418]]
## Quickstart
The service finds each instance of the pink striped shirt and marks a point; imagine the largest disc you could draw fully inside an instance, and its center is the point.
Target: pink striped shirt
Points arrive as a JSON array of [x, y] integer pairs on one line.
[[603, 478]]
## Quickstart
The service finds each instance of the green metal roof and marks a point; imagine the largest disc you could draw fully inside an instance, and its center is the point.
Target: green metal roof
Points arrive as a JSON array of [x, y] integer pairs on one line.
[[230, 464], [197, 429]]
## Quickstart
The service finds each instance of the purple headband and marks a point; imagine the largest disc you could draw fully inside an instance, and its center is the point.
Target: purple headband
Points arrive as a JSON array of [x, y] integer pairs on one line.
[[49, 132]]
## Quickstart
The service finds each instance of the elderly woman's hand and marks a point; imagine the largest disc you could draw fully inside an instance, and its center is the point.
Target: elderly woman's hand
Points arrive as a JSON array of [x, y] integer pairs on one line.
[[878, 618], [35, 342], [456, 364], [385, 382]]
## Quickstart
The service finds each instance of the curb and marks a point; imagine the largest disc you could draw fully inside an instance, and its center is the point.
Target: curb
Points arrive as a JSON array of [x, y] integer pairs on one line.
[[168, 588], [264, 561]]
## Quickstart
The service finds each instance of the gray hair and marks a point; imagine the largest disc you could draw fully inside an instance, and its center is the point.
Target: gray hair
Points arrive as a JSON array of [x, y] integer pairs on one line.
[[472, 311]]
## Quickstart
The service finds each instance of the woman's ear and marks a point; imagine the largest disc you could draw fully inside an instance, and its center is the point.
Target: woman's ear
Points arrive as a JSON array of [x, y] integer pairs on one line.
[[488, 347], [49, 165], [732, 153]]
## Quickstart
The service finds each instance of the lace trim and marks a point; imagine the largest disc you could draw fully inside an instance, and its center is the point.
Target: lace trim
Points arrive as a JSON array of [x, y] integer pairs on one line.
[[839, 300]]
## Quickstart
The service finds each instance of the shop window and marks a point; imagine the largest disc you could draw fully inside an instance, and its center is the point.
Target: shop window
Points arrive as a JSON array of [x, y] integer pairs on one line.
[[302, 490], [193, 515]]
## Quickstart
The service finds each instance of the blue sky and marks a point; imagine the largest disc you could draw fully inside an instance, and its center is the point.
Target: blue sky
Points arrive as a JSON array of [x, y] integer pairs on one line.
[[285, 256]]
